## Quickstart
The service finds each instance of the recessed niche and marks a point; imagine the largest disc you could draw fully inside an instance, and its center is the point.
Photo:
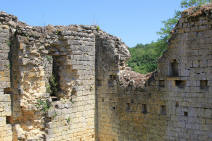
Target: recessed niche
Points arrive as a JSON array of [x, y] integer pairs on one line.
[[103, 99], [7, 91], [180, 83], [163, 110], [56, 106], [54, 98], [174, 68], [113, 77], [144, 108], [99, 82], [177, 104], [128, 107], [74, 91], [161, 83], [132, 101], [8, 120], [203, 84], [186, 114], [111, 80], [54, 80]]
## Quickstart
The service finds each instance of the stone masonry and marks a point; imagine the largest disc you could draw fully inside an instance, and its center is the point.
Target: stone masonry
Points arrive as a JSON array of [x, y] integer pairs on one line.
[[71, 83]]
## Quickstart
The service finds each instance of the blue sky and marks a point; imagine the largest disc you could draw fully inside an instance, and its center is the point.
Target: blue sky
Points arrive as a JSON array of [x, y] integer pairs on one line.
[[134, 21]]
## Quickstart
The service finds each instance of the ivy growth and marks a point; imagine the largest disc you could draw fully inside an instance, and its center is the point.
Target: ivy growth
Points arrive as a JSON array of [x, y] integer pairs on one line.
[[43, 105], [58, 32], [68, 120], [49, 58], [8, 43], [52, 88], [97, 28]]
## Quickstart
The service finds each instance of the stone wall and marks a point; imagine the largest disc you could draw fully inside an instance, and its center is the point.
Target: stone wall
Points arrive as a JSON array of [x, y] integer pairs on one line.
[[111, 54], [5, 91], [49, 73], [71, 83], [173, 103], [186, 70]]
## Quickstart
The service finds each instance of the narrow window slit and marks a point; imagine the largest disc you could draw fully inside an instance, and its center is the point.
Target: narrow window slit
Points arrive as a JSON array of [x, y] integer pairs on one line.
[[128, 107], [163, 110], [177, 104], [53, 86], [144, 108], [174, 68]]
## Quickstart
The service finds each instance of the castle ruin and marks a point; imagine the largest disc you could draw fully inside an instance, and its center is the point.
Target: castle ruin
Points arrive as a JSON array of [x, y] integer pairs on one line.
[[71, 83]]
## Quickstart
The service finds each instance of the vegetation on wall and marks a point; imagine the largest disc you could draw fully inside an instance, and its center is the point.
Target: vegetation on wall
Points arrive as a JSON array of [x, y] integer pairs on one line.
[[144, 57], [43, 105]]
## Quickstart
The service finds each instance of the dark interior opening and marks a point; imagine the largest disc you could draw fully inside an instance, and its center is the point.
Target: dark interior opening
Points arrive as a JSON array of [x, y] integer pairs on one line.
[[174, 68], [144, 108], [54, 79], [74, 91], [180, 83], [128, 107], [203, 84], [163, 110], [7, 91], [177, 104], [161, 83], [8, 120], [186, 114]]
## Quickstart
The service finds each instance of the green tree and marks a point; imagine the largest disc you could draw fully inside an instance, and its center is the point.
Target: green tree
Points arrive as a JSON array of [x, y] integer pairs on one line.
[[144, 57], [171, 22], [192, 3]]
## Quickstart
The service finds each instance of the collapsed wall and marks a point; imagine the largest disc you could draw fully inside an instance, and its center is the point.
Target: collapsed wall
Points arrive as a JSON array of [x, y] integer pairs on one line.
[[173, 103], [47, 81], [71, 83]]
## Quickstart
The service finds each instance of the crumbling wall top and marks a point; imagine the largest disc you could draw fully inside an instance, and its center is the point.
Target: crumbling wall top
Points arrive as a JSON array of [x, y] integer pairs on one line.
[[198, 11]]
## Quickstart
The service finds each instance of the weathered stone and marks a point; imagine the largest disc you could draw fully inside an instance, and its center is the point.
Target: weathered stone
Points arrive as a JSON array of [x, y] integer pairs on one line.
[[72, 83]]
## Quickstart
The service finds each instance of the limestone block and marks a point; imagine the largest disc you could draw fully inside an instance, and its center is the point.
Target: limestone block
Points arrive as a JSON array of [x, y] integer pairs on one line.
[[209, 63]]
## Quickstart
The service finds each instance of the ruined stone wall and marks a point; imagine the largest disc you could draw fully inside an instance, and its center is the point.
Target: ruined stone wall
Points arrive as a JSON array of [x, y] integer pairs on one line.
[[110, 56], [186, 70], [67, 58], [140, 100], [76, 70], [171, 104], [5, 99], [71, 83], [47, 81]]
